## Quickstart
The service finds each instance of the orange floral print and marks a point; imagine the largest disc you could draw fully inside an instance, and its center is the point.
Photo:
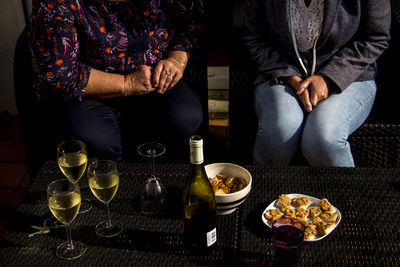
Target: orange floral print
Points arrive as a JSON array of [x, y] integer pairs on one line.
[[64, 53]]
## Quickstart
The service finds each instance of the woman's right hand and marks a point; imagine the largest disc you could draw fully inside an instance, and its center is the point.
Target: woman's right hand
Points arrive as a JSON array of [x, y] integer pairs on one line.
[[296, 83], [316, 89], [139, 81]]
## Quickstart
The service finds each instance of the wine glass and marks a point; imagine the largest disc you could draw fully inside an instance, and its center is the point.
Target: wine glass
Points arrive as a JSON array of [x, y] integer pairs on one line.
[[103, 180], [64, 200], [72, 160], [153, 196]]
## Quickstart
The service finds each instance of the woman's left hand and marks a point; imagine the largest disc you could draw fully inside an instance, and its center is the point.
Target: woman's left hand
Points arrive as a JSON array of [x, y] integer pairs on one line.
[[169, 71], [166, 74]]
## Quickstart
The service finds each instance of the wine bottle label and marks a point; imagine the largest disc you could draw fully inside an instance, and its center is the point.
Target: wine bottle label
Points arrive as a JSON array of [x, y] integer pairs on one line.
[[196, 150], [211, 237]]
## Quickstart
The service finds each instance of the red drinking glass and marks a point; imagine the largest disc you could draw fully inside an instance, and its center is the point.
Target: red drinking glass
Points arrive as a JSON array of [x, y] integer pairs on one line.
[[287, 236]]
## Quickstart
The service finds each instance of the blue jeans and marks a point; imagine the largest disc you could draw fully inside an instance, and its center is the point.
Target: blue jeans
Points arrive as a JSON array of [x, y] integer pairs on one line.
[[321, 135]]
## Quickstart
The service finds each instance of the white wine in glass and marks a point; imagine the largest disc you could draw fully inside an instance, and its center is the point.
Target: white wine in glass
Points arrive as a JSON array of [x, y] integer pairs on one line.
[[73, 165], [103, 180], [104, 186], [65, 206], [72, 160], [64, 200]]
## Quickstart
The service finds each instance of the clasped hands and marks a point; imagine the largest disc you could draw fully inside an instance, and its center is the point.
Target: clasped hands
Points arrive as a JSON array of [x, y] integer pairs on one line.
[[310, 91], [161, 77]]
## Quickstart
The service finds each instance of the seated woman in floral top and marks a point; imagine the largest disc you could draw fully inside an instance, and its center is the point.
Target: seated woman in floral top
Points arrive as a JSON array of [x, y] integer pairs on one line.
[[118, 60]]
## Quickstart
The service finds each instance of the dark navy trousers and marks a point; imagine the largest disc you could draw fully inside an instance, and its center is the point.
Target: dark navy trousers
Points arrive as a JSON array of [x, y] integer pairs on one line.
[[113, 128]]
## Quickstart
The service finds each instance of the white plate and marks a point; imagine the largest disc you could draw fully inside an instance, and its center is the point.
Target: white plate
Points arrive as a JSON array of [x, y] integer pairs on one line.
[[313, 203]]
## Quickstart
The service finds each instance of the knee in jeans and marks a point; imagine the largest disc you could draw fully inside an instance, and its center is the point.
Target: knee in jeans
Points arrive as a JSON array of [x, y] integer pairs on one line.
[[279, 132], [319, 143]]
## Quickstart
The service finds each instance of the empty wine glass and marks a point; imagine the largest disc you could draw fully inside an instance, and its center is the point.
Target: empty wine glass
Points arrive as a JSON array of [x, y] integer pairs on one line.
[[64, 200], [153, 196], [72, 160], [104, 181]]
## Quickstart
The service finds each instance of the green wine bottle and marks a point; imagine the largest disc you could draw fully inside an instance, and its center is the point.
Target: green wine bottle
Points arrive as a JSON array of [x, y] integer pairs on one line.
[[198, 201]]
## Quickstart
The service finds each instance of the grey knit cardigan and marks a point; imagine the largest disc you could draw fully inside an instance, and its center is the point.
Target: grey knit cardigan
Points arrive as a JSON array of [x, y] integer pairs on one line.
[[354, 34]]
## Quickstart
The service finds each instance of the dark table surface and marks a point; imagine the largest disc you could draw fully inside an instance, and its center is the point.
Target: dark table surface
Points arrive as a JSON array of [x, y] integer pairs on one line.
[[368, 234]]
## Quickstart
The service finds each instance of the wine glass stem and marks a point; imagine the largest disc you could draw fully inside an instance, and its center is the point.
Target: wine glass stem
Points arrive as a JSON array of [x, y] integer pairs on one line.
[[69, 237], [108, 215], [153, 167]]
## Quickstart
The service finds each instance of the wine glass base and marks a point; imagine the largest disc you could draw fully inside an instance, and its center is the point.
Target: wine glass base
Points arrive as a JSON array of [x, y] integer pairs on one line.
[[86, 205], [66, 253], [153, 198], [104, 230], [153, 208]]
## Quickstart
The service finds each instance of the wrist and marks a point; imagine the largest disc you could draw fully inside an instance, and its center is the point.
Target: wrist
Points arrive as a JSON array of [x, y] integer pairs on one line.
[[292, 81], [124, 91], [179, 61], [180, 58], [123, 88], [327, 81]]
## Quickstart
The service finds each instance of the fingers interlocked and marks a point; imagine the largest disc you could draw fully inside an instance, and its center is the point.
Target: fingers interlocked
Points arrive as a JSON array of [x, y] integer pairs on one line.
[[166, 74]]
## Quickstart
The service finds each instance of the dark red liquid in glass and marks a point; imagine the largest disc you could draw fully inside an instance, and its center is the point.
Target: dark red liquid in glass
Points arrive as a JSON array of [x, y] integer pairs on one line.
[[287, 237]]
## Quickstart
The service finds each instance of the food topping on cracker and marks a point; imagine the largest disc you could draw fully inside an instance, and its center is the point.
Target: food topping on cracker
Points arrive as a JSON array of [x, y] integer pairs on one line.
[[324, 205], [284, 201], [301, 202], [273, 214]]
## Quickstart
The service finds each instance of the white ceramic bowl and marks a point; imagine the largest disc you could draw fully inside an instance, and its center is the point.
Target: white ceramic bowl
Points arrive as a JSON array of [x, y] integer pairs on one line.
[[228, 203]]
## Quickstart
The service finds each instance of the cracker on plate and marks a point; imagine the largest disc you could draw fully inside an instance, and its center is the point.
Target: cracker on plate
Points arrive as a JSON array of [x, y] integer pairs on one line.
[[273, 214], [314, 211], [310, 231], [284, 201], [324, 227], [325, 206], [289, 212], [302, 213], [328, 217], [301, 202]]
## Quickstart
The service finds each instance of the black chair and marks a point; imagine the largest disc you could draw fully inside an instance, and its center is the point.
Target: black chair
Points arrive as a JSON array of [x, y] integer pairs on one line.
[[38, 141], [374, 144], [37, 123]]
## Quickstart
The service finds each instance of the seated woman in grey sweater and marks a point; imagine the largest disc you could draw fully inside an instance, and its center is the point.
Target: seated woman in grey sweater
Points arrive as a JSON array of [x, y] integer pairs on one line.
[[316, 62]]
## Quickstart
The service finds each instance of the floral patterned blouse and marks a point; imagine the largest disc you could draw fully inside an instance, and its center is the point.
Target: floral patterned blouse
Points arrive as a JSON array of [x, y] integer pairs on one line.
[[69, 37]]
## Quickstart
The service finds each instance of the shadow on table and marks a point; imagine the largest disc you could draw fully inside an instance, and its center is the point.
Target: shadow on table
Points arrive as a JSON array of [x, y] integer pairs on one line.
[[174, 204], [36, 197], [254, 224], [152, 241], [131, 206], [254, 229], [130, 239]]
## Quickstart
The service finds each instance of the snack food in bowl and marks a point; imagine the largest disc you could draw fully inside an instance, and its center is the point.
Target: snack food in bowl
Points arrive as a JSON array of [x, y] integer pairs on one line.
[[222, 184], [238, 180]]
